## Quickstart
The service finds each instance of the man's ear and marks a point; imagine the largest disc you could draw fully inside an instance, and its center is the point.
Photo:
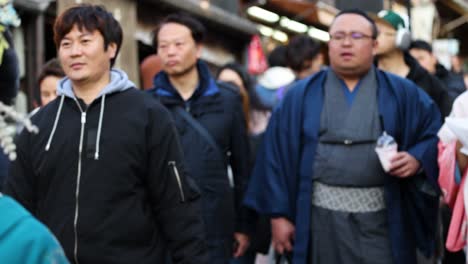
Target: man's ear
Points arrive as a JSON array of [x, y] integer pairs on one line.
[[112, 50]]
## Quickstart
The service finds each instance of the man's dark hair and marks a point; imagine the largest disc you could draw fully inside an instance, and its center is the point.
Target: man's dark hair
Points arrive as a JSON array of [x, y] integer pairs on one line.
[[196, 27], [278, 57], [50, 68], [422, 45], [359, 12], [90, 18], [300, 49]]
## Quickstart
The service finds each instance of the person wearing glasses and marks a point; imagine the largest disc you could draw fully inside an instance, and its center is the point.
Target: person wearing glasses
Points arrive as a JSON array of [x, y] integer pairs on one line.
[[318, 176], [393, 56]]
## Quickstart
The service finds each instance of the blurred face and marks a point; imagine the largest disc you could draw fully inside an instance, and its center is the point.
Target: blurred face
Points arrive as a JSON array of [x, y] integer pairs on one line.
[[386, 39], [228, 75], [83, 57], [457, 65], [178, 51], [311, 66], [351, 47], [48, 88], [425, 59]]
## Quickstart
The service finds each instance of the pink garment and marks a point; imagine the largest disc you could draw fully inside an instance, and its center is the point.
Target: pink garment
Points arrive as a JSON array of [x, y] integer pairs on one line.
[[453, 195]]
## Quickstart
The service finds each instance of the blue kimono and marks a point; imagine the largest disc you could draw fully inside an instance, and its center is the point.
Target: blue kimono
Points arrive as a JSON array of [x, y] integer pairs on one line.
[[281, 182]]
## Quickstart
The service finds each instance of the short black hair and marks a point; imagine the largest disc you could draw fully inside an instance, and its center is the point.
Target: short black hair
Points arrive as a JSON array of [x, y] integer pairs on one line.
[[359, 12], [301, 48], [50, 68], [278, 57], [89, 17], [196, 27], [422, 45]]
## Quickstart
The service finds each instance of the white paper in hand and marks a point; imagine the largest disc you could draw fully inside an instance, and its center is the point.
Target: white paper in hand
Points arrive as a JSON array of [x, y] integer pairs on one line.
[[459, 127], [386, 148]]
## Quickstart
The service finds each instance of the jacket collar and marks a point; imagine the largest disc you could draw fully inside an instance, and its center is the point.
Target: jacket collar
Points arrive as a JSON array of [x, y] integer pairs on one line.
[[206, 87]]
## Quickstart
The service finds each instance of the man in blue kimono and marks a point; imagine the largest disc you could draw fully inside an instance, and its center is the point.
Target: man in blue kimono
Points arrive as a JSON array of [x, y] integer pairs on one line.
[[318, 177]]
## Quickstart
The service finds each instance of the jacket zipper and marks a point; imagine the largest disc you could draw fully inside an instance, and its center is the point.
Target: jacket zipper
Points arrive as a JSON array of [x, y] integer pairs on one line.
[[172, 164], [78, 179]]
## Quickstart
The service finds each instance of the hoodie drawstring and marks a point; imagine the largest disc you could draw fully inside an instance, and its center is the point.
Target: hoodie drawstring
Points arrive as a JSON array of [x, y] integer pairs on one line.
[[98, 138], [57, 116]]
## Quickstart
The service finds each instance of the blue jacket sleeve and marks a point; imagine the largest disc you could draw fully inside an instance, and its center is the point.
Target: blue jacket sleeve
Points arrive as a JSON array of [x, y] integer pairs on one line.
[[423, 122]]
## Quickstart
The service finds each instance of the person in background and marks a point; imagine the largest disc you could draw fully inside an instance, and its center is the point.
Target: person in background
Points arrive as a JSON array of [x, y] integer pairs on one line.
[[257, 116], [457, 64], [9, 69], [48, 79], [234, 73], [451, 173], [392, 56], [278, 57], [422, 52], [318, 177], [304, 56], [212, 128], [256, 113], [46, 91], [9, 65], [273, 83], [105, 172], [455, 85]]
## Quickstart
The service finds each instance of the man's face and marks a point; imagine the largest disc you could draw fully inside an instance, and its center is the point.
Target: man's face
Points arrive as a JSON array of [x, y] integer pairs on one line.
[[425, 59], [177, 49], [48, 89], [83, 57], [351, 46], [386, 39]]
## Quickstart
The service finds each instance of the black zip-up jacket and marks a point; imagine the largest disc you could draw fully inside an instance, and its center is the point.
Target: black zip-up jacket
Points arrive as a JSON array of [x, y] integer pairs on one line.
[[108, 179], [435, 88], [219, 110]]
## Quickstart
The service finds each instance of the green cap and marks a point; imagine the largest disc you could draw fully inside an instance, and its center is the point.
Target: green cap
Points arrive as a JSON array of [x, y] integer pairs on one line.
[[392, 18]]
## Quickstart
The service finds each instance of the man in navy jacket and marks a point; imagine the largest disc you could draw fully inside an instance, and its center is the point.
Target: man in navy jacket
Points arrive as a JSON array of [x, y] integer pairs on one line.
[[212, 128]]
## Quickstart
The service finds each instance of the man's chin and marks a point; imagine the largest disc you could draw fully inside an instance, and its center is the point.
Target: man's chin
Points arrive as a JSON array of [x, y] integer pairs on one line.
[[175, 74]]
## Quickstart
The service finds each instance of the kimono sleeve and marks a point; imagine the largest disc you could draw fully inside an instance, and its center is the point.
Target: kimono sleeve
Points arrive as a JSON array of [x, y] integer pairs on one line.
[[424, 121]]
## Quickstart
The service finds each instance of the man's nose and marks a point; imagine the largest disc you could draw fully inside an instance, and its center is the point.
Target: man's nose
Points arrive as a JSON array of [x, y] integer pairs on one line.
[[171, 50], [347, 40], [76, 49]]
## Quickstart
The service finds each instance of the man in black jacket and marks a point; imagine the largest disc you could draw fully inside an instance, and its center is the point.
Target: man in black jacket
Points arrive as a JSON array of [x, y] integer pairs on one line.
[[105, 173], [392, 56], [211, 125], [422, 52]]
